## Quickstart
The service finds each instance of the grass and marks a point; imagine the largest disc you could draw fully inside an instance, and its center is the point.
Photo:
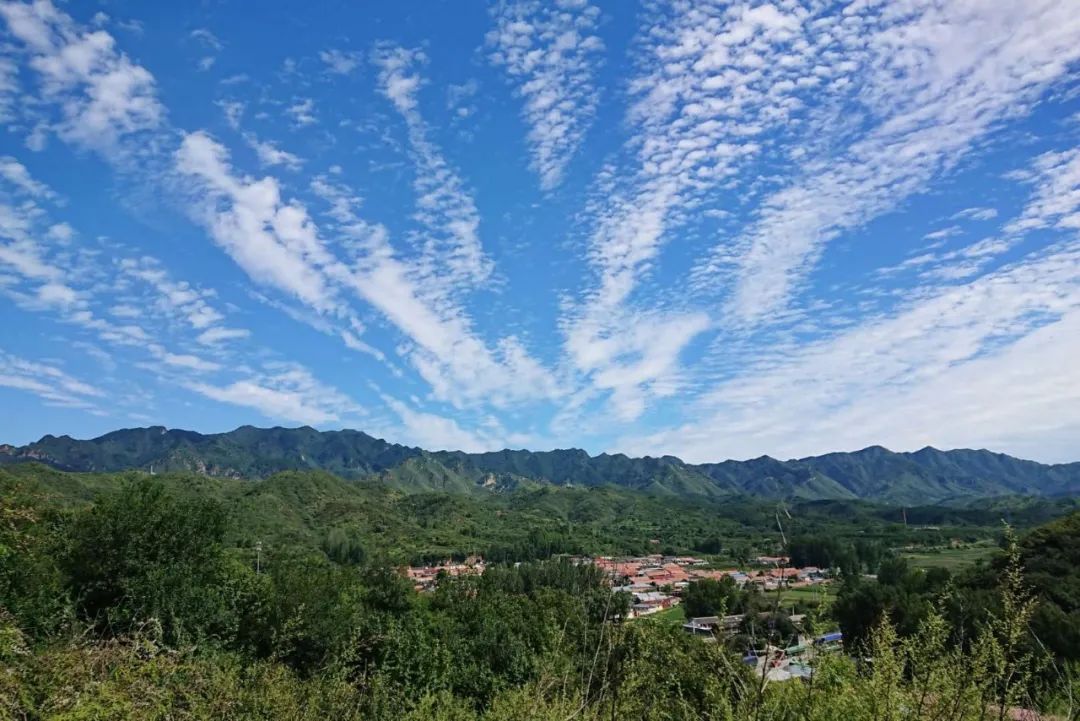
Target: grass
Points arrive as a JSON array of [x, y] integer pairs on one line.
[[674, 616], [812, 593], [951, 558]]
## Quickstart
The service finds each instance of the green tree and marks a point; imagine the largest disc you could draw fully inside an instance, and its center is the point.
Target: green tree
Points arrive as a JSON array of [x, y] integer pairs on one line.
[[709, 597], [314, 612], [142, 556], [31, 584], [344, 546]]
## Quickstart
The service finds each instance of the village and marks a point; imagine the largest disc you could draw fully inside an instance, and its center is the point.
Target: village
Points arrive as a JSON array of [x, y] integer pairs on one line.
[[656, 583]]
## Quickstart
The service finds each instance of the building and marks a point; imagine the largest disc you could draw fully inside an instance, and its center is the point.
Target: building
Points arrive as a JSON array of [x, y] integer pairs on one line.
[[648, 602], [711, 625]]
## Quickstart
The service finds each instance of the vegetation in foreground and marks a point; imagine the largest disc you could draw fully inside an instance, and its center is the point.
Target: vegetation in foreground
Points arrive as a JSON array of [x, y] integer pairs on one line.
[[138, 606]]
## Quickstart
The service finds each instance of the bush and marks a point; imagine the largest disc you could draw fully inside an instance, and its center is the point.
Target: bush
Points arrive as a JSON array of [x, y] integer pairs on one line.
[[32, 593], [141, 558]]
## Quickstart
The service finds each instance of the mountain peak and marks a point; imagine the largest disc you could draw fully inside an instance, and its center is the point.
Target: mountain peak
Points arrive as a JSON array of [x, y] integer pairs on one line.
[[873, 473]]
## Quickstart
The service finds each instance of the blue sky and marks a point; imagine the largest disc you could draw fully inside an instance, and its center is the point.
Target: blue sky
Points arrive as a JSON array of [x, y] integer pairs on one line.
[[712, 230]]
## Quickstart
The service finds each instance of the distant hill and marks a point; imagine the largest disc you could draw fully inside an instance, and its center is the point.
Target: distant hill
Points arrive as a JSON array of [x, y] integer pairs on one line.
[[875, 473]]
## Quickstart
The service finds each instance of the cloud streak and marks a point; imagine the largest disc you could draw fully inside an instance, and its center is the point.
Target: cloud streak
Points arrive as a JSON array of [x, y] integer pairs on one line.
[[52, 385], [550, 52], [286, 391], [933, 80]]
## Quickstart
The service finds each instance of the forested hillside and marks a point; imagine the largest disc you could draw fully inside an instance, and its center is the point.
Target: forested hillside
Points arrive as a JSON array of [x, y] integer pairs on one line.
[[315, 508], [875, 474]]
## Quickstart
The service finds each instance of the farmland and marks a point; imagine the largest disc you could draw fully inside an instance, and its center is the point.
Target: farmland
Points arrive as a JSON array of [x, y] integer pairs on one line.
[[952, 559]]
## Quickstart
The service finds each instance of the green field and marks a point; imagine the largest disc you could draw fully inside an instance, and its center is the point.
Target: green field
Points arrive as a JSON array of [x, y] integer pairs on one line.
[[951, 558], [813, 593], [674, 616]]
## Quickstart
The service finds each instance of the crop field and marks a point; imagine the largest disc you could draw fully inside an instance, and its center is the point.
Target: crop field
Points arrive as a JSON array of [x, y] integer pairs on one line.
[[951, 558]]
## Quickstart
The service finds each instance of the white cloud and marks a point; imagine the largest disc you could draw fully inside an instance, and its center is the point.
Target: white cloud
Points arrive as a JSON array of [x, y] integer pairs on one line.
[[177, 301], [985, 363], [233, 110], [25, 239], [277, 243], [57, 294], [452, 255], [989, 363], [210, 43], [135, 27], [25, 259], [435, 432], [9, 88], [459, 97], [287, 392], [944, 233], [206, 38], [219, 334], [125, 311], [701, 101], [16, 173], [270, 155], [635, 357], [274, 242], [78, 288], [399, 79], [51, 384], [340, 62], [1056, 201], [444, 348], [550, 50], [60, 232], [934, 79], [977, 213], [102, 94], [189, 362], [303, 112]]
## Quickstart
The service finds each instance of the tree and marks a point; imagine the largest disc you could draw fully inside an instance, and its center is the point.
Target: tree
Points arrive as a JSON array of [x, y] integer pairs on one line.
[[821, 551], [31, 585], [141, 555], [709, 597], [314, 612], [860, 607], [344, 546]]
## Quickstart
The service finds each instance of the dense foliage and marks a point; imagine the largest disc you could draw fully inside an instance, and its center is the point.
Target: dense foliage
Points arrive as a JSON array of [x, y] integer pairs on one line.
[[709, 597], [1050, 560], [347, 520], [150, 602]]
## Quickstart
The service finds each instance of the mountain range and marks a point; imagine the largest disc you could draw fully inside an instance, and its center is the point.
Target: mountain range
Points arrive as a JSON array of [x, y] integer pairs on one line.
[[875, 473]]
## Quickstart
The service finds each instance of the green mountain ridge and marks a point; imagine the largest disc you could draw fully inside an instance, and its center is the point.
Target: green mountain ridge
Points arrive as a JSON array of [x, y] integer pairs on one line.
[[875, 473]]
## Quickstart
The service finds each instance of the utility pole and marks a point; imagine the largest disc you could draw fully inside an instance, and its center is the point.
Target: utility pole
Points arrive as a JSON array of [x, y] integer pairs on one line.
[[258, 556]]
